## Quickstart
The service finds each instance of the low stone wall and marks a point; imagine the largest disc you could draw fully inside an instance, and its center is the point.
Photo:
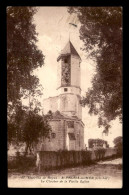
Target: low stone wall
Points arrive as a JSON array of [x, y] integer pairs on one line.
[[60, 159], [110, 152], [101, 153], [52, 159]]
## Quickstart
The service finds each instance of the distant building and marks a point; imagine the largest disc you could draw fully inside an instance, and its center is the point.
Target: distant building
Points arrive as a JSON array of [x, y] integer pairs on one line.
[[66, 121]]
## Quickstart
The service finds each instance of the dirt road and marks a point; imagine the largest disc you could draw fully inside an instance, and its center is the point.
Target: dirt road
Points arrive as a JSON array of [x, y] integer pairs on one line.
[[106, 174]]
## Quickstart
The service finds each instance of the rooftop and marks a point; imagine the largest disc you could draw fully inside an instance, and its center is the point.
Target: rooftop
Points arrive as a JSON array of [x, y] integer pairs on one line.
[[59, 115], [68, 50]]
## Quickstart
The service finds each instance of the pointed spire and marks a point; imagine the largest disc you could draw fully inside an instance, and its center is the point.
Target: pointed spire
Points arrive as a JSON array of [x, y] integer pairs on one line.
[[68, 50]]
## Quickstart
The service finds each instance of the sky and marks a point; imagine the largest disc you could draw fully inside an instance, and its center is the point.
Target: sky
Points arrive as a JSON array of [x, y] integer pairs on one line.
[[54, 31]]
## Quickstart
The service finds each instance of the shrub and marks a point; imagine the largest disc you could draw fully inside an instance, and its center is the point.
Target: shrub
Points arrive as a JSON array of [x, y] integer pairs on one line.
[[100, 153], [118, 141], [21, 162], [86, 155]]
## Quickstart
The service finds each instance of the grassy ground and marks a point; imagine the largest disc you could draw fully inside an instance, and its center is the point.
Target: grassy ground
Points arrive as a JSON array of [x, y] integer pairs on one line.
[[104, 174]]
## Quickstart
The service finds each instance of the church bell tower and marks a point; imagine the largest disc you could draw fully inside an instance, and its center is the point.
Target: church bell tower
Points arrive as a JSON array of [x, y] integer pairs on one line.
[[68, 81]]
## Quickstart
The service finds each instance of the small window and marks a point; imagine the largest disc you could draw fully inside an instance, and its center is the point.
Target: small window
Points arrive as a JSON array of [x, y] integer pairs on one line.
[[65, 89], [53, 135], [71, 136], [65, 61], [70, 124]]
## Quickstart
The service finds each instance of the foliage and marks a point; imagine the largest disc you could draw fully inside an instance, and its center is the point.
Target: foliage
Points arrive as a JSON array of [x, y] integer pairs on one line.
[[21, 162], [23, 56], [99, 153], [11, 130], [27, 126], [86, 156], [15, 120], [118, 142], [98, 142], [101, 32], [35, 127]]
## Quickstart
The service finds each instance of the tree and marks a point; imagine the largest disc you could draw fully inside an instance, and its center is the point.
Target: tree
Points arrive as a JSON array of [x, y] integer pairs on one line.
[[35, 127], [23, 56], [15, 120], [97, 142], [118, 141], [101, 32], [27, 126], [90, 143]]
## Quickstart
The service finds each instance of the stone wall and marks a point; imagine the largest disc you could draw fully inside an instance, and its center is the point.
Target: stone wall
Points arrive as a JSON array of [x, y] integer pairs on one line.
[[57, 143], [108, 153], [50, 103], [61, 140], [60, 159], [70, 105], [70, 89], [70, 158], [79, 129]]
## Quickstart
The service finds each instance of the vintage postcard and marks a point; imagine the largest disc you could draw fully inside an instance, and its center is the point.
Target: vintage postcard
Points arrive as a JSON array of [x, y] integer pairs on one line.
[[64, 90]]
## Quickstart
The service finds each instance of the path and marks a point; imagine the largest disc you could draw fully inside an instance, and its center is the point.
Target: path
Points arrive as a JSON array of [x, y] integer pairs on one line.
[[105, 174]]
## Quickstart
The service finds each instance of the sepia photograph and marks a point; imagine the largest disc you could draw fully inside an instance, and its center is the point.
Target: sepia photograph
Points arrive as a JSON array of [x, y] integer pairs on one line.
[[64, 97]]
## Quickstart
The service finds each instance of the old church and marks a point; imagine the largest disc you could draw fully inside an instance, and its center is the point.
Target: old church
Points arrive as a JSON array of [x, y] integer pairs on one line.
[[66, 122]]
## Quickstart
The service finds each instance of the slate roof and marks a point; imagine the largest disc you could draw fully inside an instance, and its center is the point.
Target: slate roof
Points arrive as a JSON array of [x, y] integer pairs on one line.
[[68, 50]]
